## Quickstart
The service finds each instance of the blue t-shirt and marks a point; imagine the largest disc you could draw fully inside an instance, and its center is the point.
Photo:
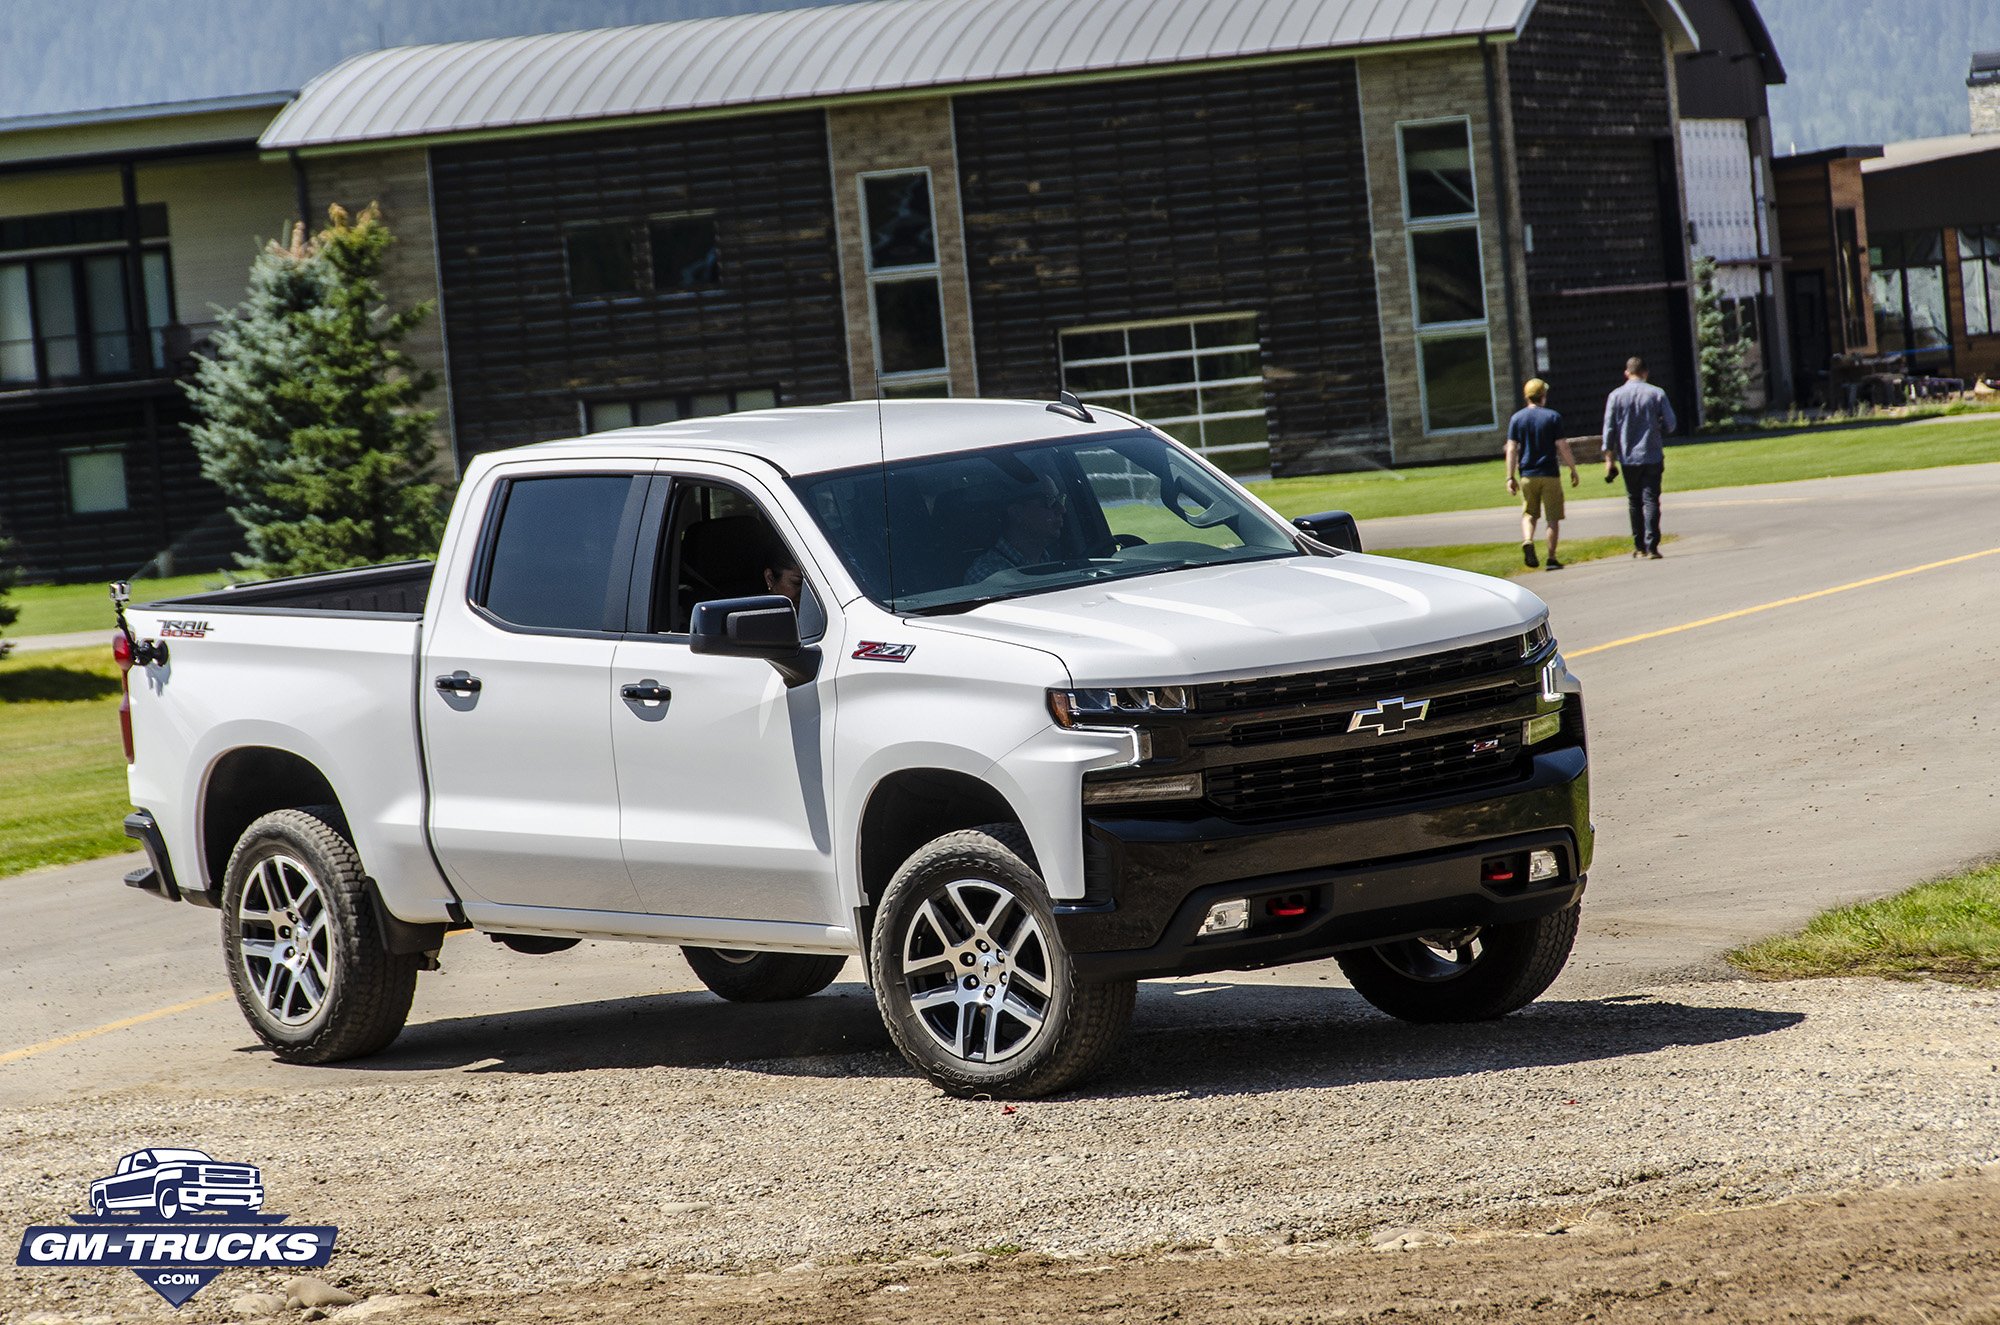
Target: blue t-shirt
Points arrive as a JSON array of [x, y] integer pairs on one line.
[[1536, 429]]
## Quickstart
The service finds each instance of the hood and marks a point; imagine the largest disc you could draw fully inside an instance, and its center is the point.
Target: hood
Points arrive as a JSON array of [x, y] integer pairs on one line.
[[1213, 623]]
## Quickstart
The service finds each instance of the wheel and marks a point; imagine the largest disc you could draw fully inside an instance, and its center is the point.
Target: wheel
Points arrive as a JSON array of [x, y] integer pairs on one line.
[[763, 977], [305, 951], [1473, 975], [98, 1205], [973, 981], [168, 1202]]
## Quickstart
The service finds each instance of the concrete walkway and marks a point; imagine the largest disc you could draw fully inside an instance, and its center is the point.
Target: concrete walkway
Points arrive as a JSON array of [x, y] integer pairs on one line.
[[82, 639]]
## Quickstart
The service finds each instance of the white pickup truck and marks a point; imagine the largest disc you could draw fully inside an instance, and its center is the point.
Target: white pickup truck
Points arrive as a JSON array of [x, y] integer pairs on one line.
[[1018, 702]]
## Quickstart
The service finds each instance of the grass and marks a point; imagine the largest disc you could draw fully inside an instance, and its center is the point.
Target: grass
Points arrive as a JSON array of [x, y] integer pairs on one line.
[[61, 761], [1872, 450], [59, 609], [1504, 559], [1949, 929]]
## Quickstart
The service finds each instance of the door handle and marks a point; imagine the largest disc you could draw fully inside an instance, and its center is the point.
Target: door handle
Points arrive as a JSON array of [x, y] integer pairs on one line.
[[646, 692], [458, 683]]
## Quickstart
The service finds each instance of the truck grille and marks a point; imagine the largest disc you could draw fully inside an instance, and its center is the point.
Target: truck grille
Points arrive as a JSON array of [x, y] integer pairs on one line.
[[1306, 726], [1369, 683], [1407, 770]]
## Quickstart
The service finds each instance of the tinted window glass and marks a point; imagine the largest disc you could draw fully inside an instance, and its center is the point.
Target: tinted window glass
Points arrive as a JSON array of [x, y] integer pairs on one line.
[[910, 322], [1450, 282], [556, 560], [1437, 168], [600, 260], [1458, 383], [685, 255], [899, 221]]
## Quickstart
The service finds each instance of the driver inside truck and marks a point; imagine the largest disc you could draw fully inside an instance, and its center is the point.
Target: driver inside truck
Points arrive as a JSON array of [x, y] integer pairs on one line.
[[1033, 522], [782, 575]]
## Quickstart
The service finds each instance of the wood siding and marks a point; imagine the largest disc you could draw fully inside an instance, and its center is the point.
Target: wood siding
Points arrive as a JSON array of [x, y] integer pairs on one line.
[[523, 353], [1182, 196], [1595, 142]]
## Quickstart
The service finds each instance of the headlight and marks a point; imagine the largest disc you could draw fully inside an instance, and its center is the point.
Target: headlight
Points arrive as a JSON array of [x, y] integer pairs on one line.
[[1116, 708]]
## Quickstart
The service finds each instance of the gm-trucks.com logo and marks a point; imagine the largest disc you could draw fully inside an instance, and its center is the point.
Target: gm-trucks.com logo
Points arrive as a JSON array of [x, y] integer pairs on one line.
[[177, 1218]]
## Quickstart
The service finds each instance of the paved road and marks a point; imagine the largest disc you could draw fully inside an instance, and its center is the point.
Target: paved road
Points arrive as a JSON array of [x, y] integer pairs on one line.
[[1747, 774]]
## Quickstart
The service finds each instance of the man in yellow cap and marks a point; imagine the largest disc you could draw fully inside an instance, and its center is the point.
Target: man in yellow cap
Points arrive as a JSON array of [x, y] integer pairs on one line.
[[1535, 448]]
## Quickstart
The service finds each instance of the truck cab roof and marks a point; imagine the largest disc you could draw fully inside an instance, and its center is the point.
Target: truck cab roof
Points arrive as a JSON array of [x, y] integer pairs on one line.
[[818, 439]]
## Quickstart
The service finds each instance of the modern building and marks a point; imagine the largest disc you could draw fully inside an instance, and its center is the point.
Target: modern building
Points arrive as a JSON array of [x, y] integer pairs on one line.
[[1823, 224]]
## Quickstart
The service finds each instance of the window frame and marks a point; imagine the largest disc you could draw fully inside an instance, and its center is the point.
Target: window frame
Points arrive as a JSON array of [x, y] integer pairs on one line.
[[638, 290], [478, 581], [585, 404], [1193, 353], [1423, 333], [74, 257], [654, 557], [70, 453], [1984, 260], [906, 272]]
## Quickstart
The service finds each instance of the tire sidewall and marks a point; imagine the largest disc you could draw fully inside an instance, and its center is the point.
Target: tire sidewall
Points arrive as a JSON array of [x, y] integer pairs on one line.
[[264, 840], [982, 857]]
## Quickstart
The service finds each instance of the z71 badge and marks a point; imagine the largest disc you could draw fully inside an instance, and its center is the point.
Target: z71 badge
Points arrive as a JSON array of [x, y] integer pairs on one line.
[[184, 629], [873, 651]]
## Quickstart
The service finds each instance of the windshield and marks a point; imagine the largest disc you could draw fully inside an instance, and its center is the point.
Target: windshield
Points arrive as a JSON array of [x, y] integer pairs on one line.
[[971, 528]]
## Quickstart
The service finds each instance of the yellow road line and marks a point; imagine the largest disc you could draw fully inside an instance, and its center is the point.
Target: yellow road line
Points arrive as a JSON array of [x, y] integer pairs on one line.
[[1782, 602], [16, 1055]]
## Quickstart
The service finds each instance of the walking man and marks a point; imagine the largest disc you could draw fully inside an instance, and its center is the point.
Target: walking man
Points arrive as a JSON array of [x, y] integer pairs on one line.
[[1637, 419], [1535, 447]]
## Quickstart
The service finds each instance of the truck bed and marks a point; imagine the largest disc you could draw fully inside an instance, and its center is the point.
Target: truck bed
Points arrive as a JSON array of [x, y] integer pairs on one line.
[[395, 591]]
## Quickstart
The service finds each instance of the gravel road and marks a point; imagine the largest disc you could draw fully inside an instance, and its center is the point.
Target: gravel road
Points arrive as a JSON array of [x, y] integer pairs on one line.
[[1296, 1117]]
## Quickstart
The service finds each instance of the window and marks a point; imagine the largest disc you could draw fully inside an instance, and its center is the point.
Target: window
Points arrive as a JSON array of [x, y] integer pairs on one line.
[[1979, 275], [96, 480], [905, 289], [1200, 381], [1907, 273], [553, 562], [644, 411], [600, 260], [685, 255], [719, 544], [65, 319], [1447, 275], [1853, 318]]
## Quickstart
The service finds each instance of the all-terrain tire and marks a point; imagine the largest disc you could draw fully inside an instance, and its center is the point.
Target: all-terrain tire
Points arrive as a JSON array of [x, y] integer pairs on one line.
[[1512, 966], [306, 893], [762, 977], [1080, 1024]]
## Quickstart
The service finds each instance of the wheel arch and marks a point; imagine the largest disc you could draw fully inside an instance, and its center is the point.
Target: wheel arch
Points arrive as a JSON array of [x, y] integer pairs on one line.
[[246, 784], [908, 808]]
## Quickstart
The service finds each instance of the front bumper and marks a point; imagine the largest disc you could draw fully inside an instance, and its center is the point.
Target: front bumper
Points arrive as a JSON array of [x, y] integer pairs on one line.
[[1318, 886]]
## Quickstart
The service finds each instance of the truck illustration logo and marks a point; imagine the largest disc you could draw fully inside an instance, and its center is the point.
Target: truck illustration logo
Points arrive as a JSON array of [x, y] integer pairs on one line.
[[1390, 716], [147, 1217], [171, 1183]]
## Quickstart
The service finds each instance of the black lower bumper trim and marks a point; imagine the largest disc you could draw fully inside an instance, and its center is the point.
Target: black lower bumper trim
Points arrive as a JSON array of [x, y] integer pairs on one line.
[[157, 877]]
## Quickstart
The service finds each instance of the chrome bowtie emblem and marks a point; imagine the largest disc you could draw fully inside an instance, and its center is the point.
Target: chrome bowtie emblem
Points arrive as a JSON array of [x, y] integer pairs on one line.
[[1389, 716]]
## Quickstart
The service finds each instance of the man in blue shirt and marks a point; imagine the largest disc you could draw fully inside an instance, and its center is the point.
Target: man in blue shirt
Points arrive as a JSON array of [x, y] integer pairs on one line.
[[1637, 419], [1535, 447]]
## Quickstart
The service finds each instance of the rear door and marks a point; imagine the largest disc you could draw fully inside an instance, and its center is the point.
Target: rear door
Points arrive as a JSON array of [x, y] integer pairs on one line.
[[516, 696], [724, 777]]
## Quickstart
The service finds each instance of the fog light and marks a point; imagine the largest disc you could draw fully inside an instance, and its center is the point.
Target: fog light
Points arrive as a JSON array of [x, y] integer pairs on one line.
[[1227, 917], [1178, 787], [1540, 729], [1542, 866]]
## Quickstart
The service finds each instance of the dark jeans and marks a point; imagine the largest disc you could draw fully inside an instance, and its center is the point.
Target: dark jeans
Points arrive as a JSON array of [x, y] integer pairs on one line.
[[1642, 495]]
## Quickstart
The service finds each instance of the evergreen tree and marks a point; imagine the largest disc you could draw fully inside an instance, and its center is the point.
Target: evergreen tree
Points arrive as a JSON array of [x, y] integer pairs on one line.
[[9, 573], [308, 409], [1724, 383]]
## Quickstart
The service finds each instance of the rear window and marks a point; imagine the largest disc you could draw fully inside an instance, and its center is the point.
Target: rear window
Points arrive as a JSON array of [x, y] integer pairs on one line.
[[561, 553]]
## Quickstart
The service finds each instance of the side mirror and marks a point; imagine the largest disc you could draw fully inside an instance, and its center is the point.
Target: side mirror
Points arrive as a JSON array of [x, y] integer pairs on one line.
[[766, 626], [1336, 529]]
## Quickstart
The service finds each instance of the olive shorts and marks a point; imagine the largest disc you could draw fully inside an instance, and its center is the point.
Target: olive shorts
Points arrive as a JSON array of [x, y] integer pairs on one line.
[[1542, 498]]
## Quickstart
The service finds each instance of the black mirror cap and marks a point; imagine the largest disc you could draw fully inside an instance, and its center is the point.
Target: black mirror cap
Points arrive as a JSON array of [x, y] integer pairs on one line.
[[765, 626], [1336, 529]]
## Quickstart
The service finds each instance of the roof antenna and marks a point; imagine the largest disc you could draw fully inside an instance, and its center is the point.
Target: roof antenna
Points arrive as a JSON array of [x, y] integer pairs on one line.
[[888, 523], [1069, 406]]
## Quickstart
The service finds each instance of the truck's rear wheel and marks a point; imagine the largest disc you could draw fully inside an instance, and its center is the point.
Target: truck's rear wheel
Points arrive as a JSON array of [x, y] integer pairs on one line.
[[972, 977], [1472, 975], [305, 952], [762, 977]]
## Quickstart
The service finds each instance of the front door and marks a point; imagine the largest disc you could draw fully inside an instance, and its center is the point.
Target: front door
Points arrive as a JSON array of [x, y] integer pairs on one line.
[[722, 766], [517, 698]]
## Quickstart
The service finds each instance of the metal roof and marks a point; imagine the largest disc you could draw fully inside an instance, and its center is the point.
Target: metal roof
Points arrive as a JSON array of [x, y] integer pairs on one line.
[[814, 55]]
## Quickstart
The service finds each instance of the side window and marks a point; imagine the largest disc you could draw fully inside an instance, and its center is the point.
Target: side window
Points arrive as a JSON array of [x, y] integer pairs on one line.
[[559, 555], [720, 544]]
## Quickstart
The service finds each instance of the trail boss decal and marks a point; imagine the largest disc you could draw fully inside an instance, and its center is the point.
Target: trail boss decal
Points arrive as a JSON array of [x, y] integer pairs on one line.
[[184, 629], [874, 651]]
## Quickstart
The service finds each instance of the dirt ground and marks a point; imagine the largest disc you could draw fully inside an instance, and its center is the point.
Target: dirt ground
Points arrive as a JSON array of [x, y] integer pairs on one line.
[[1922, 1253]]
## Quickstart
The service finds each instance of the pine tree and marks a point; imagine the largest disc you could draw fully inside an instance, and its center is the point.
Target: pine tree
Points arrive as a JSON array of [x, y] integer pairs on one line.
[[9, 573], [1724, 383], [309, 417]]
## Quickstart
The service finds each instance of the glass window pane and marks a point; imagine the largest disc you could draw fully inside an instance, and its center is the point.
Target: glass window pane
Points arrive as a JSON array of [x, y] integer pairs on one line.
[[553, 554], [1093, 344], [97, 481], [909, 325], [604, 415], [1888, 291], [1992, 266], [757, 398], [1228, 399], [1930, 329], [1226, 331], [1458, 385], [1169, 339], [649, 412], [1972, 277], [898, 217], [104, 287], [1437, 170], [1237, 432], [936, 390], [1165, 404], [17, 328], [685, 255], [708, 403], [1162, 372], [55, 319], [1096, 377], [1450, 279], [159, 304], [600, 260], [1237, 363]]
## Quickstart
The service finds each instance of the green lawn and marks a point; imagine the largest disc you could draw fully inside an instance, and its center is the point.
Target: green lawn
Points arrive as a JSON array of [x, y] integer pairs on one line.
[[1872, 450], [61, 761], [1949, 929], [58, 609], [1504, 559]]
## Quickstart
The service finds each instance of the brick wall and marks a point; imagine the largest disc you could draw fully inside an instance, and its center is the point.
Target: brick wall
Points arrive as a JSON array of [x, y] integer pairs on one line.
[[1985, 100]]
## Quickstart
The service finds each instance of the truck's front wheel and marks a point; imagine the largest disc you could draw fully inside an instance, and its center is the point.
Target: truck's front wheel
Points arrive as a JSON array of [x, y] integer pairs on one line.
[[306, 956], [1472, 975], [972, 977]]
